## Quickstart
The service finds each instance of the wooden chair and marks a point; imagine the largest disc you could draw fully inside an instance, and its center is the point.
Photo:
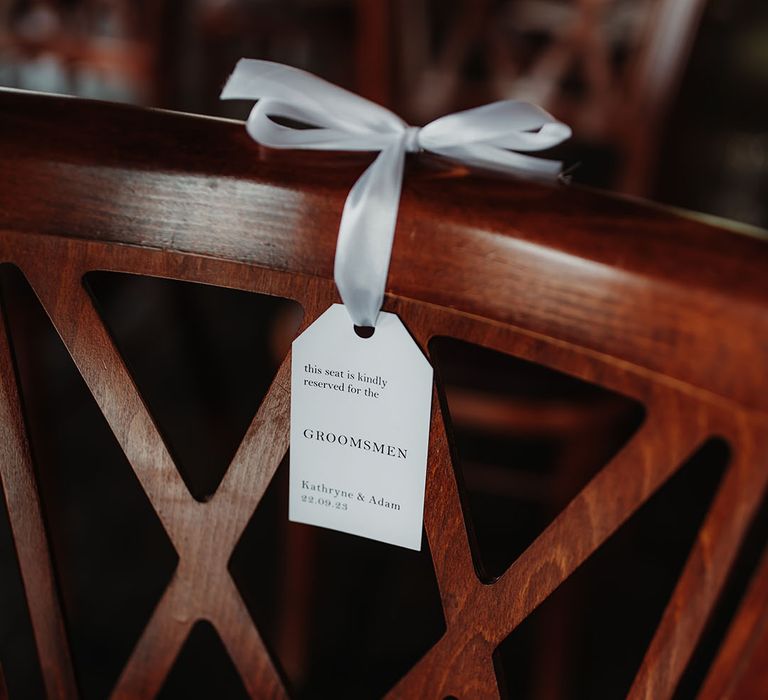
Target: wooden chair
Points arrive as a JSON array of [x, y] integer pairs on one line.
[[661, 307], [621, 102]]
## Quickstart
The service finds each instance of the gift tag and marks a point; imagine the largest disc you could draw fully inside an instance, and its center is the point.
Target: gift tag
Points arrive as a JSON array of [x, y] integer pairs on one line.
[[360, 411]]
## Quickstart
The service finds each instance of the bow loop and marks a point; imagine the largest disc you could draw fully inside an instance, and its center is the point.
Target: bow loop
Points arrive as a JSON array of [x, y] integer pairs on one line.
[[510, 124], [253, 79], [310, 128], [296, 109]]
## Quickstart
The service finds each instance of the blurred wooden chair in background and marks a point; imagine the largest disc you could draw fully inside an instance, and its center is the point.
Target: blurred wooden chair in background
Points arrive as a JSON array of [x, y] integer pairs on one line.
[[609, 68]]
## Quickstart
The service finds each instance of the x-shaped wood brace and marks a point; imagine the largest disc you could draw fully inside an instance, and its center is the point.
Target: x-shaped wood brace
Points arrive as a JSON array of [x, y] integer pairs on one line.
[[203, 534], [478, 616]]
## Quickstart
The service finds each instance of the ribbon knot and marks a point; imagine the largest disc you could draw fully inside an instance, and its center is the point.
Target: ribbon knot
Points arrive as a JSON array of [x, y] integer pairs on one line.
[[327, 117], [411, 141]]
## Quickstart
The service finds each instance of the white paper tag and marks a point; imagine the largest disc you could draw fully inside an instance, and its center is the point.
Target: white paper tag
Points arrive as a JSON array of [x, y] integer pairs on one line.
[[360, 410]]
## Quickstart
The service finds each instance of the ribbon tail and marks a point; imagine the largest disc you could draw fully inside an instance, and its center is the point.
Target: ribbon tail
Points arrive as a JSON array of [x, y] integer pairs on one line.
[[366, 234]]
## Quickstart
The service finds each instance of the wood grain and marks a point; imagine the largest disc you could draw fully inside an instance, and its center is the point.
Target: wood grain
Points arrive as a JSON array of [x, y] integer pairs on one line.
[[657, 306], [740, 670], [25, 515]]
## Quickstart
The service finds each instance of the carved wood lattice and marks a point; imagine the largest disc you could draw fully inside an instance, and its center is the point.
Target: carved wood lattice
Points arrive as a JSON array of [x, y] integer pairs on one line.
[[478, 616]]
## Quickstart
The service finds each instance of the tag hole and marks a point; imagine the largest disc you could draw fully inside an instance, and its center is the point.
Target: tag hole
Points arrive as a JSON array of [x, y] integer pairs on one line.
[[365, 331]]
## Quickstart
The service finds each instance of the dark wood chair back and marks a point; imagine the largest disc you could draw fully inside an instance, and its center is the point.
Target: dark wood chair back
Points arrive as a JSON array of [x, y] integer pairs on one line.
[[658, 306]]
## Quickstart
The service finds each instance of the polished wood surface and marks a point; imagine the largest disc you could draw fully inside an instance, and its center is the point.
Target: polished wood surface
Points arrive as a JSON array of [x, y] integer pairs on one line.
[[29, 536], [658, 306]]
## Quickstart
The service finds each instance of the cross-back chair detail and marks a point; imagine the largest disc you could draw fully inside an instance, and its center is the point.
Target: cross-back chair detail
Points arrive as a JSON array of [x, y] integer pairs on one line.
[[662, 308]]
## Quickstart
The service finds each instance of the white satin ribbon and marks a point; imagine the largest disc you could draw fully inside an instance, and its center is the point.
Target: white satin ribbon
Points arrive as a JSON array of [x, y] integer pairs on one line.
[[342, 121]]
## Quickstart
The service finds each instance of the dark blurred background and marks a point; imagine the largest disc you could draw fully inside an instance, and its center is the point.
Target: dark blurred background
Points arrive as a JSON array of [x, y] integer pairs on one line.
[[668, 100]]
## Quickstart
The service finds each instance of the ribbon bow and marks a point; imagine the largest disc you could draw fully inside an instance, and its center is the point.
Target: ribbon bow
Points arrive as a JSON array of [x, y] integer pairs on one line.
[[342, 121]]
